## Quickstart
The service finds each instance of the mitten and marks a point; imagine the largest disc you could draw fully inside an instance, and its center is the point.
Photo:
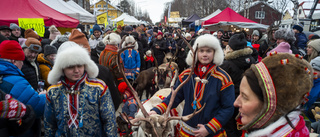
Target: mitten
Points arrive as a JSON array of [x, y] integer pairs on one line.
[[12, 108]]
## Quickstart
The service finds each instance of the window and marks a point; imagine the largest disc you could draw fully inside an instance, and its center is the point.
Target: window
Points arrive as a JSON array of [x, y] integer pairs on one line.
[[104, 6], [99, 6], [260, 15], [300, 11]]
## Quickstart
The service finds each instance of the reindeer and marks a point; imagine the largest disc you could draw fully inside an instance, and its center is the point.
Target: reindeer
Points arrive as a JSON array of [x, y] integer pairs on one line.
[[157, 125]]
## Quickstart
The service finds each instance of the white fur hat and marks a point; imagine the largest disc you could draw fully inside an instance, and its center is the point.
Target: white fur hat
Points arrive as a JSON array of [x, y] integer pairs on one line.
[[112, 39], [187, 35], [132, 40], [70, 54], [207, 40]]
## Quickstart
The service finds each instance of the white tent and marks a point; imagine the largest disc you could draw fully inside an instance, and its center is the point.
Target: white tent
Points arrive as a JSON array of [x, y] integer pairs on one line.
[[127, 19], [198, 22], [65, 8]]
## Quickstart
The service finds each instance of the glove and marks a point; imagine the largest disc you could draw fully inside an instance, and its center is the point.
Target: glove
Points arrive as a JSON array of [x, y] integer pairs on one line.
[[12, 108], [316, 113]]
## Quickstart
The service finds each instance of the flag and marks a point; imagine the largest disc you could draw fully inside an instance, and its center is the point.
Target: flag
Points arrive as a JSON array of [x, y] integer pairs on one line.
[[120, 23], [165, 19]]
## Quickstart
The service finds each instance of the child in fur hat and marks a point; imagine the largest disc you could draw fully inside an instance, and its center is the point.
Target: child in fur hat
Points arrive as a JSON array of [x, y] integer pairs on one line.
[[149, 59], [208, 85], [271, 96], [131, 58], [78, 104]]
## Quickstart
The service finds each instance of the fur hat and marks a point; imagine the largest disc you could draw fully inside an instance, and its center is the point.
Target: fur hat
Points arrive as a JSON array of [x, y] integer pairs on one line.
[[209, 41], [112, 39], [70, 54], [283, 47], [238, 41], [30, 33], [10, 49], [285, 34], [79, 38], [298, 27], [14, 26], [130, 39], [48, 50], [315, 44], [53, 32], [187, 35], [282, 91], [32, 44]]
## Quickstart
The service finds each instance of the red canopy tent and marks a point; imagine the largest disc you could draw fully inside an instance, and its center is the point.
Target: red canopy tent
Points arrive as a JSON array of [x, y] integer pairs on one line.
[[230, 17], [11, 10]]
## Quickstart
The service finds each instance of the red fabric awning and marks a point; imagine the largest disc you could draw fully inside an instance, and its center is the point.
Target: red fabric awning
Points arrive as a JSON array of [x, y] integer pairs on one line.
[[11, 10], [227, 15]]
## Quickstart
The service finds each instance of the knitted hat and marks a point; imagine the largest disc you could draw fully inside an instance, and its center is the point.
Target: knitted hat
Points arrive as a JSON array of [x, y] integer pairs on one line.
[[96, 27], [32, 44], [315, 44], [48, 50], [79, 38], [160, 33], [255, 33], [207, 40], [315, 63], [30, 33], [14, 26], [237, 41], [282, 91], [127, 28], [70, 54], [298, 27], [100, 47], [130, 39], [112, 39], [12, 108], [150, 31], [283, 47], [53, 32], [10, 49], [4, 27]]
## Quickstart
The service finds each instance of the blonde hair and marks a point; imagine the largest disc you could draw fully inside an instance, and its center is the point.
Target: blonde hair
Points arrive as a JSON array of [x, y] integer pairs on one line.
[[313, 55]]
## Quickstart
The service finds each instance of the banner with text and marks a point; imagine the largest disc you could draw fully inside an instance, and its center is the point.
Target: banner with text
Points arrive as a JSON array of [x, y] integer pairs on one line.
[[121, 23], [36, 23]]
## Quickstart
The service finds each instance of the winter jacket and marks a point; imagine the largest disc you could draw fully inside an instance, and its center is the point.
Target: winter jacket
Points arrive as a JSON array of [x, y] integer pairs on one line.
[[31, 73], [301, 41], [236, 63], [45, 67], [171, 42], [108, 58], [281, 128], [9, 127], [106, 76], [159, 53], [218, 94], [95, 56], [263, 47], [18, 87], [93, 42], [92, 106], [314, 94]]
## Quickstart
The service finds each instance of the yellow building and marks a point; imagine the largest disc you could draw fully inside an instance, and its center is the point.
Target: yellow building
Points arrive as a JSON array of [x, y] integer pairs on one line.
[[287, 16], [100, 6]]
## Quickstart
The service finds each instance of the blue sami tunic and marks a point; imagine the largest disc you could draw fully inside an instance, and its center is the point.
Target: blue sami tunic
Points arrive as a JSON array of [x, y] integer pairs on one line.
[[218, 94]]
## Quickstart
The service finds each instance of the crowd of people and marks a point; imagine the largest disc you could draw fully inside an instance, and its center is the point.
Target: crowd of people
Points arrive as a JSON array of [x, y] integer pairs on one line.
[[70, 84]]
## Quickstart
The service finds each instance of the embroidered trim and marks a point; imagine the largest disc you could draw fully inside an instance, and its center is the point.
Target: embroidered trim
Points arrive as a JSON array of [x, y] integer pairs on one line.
[[73, 115], [214, 125], [162, 107], [270, 93]]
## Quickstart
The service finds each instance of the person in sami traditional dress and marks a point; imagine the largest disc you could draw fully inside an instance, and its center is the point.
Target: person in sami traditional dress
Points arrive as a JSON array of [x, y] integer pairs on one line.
[[78, 104], [208, 85], [271, 97]]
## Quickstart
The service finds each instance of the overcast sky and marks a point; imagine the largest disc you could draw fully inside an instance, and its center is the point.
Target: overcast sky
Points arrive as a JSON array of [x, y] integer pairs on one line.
[[155, 8]]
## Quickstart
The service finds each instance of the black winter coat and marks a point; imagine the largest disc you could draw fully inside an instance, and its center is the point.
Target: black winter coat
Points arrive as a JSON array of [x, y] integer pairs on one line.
[[11, 127], [95, 56], [106, 76], [30, 73], [159, 53], [236, 63]]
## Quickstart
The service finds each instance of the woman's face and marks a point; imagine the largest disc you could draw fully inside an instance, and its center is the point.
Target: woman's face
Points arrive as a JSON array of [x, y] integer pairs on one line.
[[74, 73], [309, 50], [280, 40], [205, 55], [248, 103]]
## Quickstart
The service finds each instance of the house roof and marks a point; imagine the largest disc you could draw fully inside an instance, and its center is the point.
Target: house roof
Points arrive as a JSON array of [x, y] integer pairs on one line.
[[258, 2], [110, 5]]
